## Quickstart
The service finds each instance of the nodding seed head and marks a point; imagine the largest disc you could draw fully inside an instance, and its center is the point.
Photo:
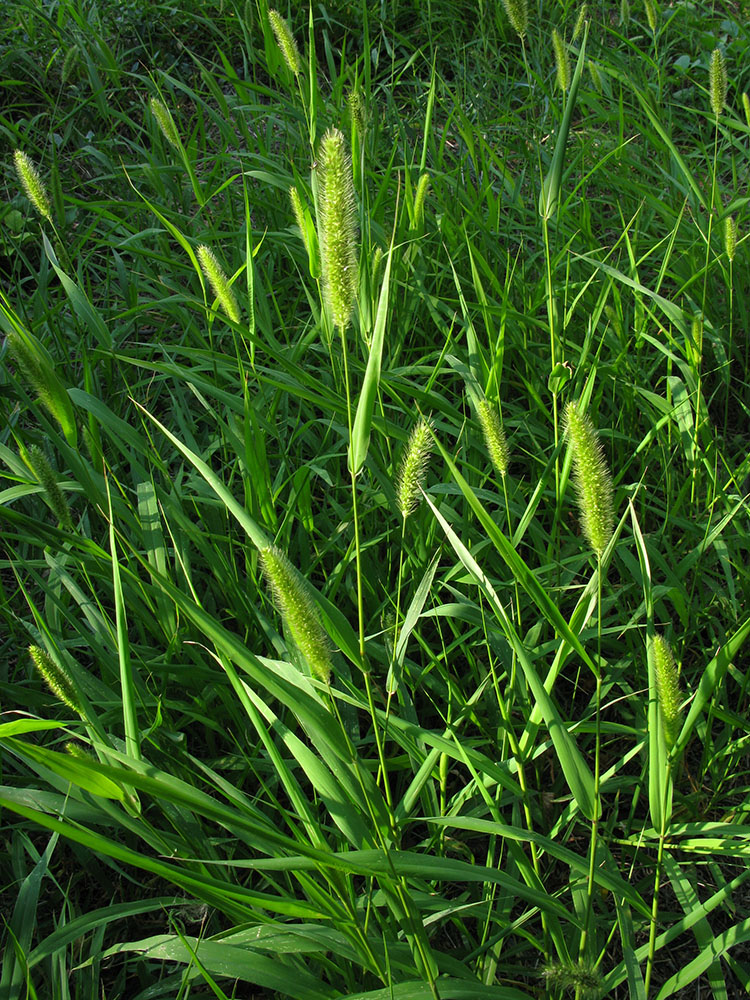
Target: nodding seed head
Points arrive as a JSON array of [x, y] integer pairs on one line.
[[298, 611], [57, 678], [40, 465], [165, 121], [285, 41], [518, 15], [218, 281], [592, 479], [32, 184]]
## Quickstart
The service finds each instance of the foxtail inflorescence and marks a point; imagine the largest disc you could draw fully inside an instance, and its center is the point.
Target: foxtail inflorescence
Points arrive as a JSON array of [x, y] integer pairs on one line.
[[32, 184], [57, 678], [667, 688], [337, 227], [518, 15], [494, 436], [592, 479], [562, 61], [582, 980], [718, 82], [413, 468], [218, 281], [285, 41], [40, 465], [298, 611], [165, 121]]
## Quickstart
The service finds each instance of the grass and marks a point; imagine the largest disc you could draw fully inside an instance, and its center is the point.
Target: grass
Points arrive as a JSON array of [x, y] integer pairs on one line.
[[344, 697]]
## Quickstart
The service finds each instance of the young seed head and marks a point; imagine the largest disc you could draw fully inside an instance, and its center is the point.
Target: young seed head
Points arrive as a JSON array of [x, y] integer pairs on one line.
[[165, 121], [40, 465], [298, 611], [518, 15], [582, 980], [494, 436], [562, 61], [746, 106], [730, 237], [651, 14], [357, 112], [667, 689], [218, 281], [57, 678], [592, 479], [580, 21], [718, 82], [596, 76], [299, 215], [413, 468], [32, 184], [30, 358], [624, 12], [285, 41], [419, 197], [337, 228]]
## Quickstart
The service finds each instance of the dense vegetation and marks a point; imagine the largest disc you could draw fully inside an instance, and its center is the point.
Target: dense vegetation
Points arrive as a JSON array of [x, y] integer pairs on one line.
[[375, 468]]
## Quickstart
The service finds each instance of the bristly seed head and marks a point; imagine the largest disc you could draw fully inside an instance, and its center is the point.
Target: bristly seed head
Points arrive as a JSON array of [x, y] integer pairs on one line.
[[718, 82], [562, 61], [165, 121], [40, 465], [298, 611], [730, 237], [667, 689], [32, 184], [652, 14], [494, 436], [581, 979], [337, 228], [592, 479], [518, 15], [218, 281], [285, 41], [746, 106], [57, 678], [580, 22], [413, 468]]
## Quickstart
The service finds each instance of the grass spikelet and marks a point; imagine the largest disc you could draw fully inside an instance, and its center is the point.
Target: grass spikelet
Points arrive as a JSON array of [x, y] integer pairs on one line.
[[419, 197], [746, 106], [718, 82], [730, 237], [582, 980], [32, 360], [494, 436], [518, 15], [285, 41], [357, 113], [337, 229], [298, 611], [580, 22], [40, 465], [667, 689], [624, 12], [165, 121], [596, 76], [218, 281], [562, 61], [57, 678], [299, 215], [592, 479], [32, 184], [413, 468], [651, 14]]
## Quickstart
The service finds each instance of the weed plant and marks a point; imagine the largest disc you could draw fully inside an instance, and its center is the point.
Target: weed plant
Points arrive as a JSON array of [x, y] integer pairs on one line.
[[374, 454]]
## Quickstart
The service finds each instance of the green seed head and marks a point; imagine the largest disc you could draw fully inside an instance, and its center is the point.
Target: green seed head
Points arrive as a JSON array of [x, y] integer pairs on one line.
[[596, 76], [580, 22], [518, 15], [624, 12], [34, 363], [165, 121], [337, 228], [718, 82], [40, 465], [57, 678], [667, 688], [494, 436], [298, 611], [357, 112], [581, 979], [218, 281], [285, 41], [413, 468], [32, 184], [592, 479], [562, 61], [652, 14], [420, 194], [746, 106], [730, 237]]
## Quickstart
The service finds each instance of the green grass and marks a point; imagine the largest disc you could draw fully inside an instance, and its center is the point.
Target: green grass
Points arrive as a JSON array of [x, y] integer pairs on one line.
[[498, 791]]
